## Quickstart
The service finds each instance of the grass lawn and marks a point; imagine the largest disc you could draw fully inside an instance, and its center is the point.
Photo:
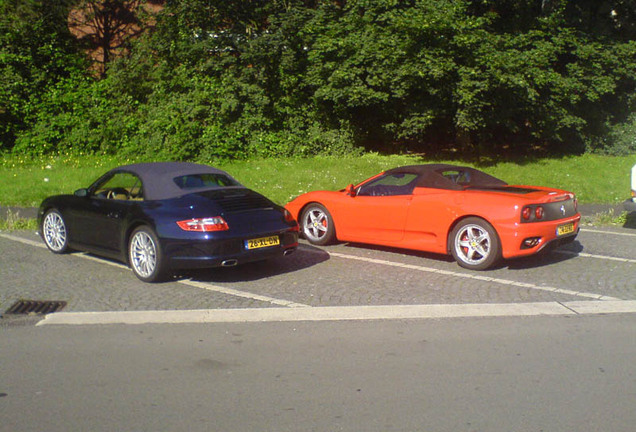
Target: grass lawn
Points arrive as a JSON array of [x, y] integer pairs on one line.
[[595, 179]]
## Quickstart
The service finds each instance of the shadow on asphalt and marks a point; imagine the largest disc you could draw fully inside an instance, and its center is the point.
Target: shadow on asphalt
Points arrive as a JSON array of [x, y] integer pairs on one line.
[[407, 252], [542, 259], [547, 258], [304, 257]]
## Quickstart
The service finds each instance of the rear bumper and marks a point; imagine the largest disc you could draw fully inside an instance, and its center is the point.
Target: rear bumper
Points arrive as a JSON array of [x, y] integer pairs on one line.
[[226, 252], [513, 236], [630, 205]]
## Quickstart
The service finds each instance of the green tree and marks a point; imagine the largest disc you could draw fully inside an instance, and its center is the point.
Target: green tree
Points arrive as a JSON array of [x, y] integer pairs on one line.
[[36, 51], [219, 79], [105, 28]]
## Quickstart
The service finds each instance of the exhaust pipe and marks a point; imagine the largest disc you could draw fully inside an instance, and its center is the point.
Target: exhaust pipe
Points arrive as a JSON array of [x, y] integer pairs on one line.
[[288, 251], [229, 263]]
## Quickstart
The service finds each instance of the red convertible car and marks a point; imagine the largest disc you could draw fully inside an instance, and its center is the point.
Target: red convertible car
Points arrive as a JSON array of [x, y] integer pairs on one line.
[[447, 209]]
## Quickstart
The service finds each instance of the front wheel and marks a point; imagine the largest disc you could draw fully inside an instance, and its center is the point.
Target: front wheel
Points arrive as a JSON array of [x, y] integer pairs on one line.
[[475, 244], [54, 232], [145, 255], [317, 225]]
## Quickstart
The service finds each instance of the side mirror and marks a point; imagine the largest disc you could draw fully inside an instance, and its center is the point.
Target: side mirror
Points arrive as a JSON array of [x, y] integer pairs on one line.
[[81, 193], [350, 190]]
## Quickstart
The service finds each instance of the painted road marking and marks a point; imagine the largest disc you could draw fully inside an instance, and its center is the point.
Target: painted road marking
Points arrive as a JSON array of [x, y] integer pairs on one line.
[[189, 282], [342, 313], [603, 257], [475, 277], [23, 240], [290, 304], [243, 294], [607, 232]]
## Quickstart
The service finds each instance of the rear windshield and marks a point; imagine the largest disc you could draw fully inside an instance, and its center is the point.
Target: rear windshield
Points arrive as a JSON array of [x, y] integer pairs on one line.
[[194, 181]]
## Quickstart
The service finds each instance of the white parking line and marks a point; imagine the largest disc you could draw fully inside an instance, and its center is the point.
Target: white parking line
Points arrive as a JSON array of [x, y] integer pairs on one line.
[[244, 294], [476, 277], [607, 232], [189, 282], [23, 240], [603, 257], [290, 304]]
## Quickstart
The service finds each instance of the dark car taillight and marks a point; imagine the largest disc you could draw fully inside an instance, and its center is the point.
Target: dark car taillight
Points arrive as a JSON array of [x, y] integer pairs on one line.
[[216, 223]]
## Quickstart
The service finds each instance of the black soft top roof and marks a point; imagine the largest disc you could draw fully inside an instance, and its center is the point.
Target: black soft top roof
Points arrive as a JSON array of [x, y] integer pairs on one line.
[[157, 178], [432, 176]]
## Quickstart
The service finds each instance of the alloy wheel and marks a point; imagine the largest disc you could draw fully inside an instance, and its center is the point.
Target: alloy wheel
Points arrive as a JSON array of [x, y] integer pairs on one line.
[[472, 244], [315, 224], [143, 254], [54, 230]]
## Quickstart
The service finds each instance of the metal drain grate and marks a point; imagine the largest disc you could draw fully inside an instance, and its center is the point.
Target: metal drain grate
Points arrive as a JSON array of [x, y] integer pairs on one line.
[[26, 307]]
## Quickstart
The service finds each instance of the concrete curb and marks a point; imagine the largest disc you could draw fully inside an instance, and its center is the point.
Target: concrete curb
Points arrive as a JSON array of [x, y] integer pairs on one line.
[[342, 313], [21, 212]]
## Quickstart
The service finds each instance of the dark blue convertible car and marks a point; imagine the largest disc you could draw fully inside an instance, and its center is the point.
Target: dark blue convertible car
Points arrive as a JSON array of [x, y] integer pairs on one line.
[[158, 217]]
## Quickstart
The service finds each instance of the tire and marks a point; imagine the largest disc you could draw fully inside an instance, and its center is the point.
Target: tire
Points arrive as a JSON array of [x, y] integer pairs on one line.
[[474, 244], [54, 232], [145, 256], [317, 225]]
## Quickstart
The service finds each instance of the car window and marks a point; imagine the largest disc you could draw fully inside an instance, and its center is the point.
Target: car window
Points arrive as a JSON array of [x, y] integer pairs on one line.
[[120, 186], [194, 181], [389, 185], [457, 176]]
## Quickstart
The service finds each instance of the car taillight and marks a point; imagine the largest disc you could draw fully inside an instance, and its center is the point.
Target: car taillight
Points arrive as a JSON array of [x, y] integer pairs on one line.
[[216, 223], [526, 213], [538, 212]]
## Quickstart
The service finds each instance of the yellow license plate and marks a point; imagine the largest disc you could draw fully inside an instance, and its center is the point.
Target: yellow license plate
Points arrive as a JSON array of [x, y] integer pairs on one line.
[[565, 229], [262, 242]]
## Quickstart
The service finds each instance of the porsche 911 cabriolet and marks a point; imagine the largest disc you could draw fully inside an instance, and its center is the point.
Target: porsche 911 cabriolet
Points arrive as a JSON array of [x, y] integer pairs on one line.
[[163, 216], [439, 208]]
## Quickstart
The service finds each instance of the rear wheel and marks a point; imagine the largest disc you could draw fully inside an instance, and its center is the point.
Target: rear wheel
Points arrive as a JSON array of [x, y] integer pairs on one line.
[[475, 244], [145, 255], [317, 225], [54, 232]]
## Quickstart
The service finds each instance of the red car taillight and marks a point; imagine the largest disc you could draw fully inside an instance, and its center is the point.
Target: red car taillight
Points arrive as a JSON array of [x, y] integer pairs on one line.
[[527, 211], [216, 223], [538, 212]]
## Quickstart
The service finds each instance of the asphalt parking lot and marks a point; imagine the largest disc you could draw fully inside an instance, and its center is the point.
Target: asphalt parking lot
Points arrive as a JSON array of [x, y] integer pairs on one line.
[[599, 266]]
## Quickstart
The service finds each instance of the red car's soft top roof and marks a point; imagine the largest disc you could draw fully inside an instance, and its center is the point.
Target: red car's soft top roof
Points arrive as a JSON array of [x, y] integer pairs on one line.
[[440, 176]]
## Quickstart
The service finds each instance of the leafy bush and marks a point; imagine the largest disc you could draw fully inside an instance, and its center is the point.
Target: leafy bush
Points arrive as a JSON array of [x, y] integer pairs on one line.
[[78, 115], [620, 139], [216, 80]]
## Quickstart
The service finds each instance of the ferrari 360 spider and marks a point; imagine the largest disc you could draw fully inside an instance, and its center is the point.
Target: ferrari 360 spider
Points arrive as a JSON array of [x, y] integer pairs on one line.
[[168, 215], [440, 208]]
